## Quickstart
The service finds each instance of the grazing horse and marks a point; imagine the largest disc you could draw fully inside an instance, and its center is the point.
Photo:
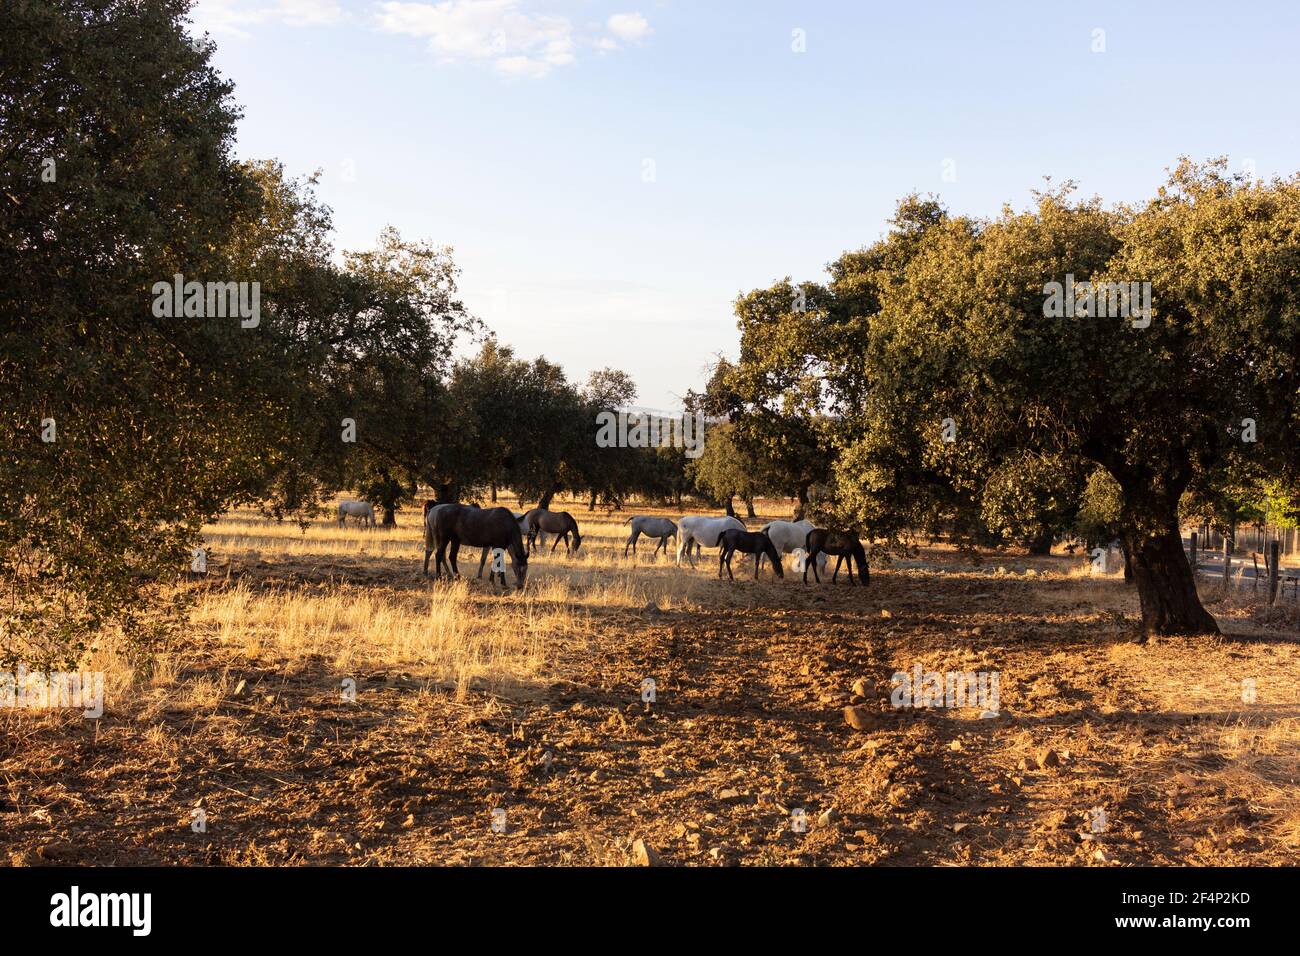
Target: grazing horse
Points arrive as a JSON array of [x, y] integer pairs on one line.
[[431, 534], [840, 543], [478, 528], [651, 527], [756, 543], [363, 511], [788, 535], [702, 530], [558, 523]]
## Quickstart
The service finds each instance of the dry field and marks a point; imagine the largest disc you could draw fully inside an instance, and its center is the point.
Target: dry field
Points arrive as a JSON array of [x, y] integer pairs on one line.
[[467, 700]]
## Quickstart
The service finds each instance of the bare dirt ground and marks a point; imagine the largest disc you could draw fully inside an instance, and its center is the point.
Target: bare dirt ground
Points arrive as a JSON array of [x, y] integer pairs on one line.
[[748, 725]]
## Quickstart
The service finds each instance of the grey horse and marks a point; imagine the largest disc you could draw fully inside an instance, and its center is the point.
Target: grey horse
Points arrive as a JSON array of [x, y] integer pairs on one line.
[[651, 527]]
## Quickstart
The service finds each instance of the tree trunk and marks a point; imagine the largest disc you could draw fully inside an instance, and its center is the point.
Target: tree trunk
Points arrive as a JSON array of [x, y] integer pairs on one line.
[[494, 492], [591, 504], [801, 503], [545, 503], [1128, 562], [730, 510], [1042, 544], [749, 508], [390, 492], [1166, 586]]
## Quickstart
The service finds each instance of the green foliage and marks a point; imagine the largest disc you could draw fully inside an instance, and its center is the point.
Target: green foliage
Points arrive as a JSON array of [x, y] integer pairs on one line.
[[1100, 515], [725, 469], [156, 425]]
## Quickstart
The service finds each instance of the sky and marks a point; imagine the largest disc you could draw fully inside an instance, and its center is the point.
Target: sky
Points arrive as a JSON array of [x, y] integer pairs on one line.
[[611, 175]]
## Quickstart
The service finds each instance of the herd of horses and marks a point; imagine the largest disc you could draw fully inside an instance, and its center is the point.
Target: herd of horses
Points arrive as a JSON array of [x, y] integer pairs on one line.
[[447, 526]]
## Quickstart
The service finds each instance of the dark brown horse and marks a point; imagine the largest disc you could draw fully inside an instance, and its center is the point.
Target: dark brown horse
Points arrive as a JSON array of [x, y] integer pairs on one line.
[[455, 525], [558, 523], [747, 542], [842, 544]]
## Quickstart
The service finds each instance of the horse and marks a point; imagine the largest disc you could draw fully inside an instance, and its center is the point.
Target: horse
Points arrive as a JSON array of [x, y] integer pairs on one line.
[[788, 535], [651, 527], [363, 511], [478, 528], [756, 543], [841, 543], [558, 523], [431, 536], [702, 530]]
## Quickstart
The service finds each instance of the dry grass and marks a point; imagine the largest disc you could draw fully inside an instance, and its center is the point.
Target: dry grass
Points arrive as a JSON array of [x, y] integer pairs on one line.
[[461, 633]]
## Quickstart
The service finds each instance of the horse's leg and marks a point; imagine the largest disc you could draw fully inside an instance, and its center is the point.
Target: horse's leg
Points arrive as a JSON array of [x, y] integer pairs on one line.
[[482, 561], [757, 556], [427, 552], [631, 542], [455, 549], [839, 559]]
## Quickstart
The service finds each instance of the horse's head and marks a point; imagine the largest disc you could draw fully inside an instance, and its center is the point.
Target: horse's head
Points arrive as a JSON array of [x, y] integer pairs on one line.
[[519, 564], [773, 555], [577, 539]]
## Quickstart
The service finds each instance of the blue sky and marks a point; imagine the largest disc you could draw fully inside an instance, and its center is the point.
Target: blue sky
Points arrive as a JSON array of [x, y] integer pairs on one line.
[[611, 175]]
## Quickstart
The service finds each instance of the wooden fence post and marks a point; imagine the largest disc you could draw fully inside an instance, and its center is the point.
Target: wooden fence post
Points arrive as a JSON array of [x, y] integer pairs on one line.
[[1272, 572], [1227, 562]]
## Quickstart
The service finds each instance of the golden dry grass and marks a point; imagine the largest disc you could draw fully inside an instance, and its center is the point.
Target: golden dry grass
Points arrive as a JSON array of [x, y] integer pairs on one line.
[[454, 632]]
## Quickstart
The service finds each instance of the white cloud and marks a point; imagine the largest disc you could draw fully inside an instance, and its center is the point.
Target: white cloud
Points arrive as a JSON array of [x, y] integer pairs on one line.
[[496, 31], [502, 33], [230, 17], [629, 26]]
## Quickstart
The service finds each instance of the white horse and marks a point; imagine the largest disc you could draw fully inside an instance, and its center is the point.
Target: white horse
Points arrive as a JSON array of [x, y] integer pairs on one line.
[[363, 511], [651, 527], [788, 535], [702, 530], [522, 519]]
